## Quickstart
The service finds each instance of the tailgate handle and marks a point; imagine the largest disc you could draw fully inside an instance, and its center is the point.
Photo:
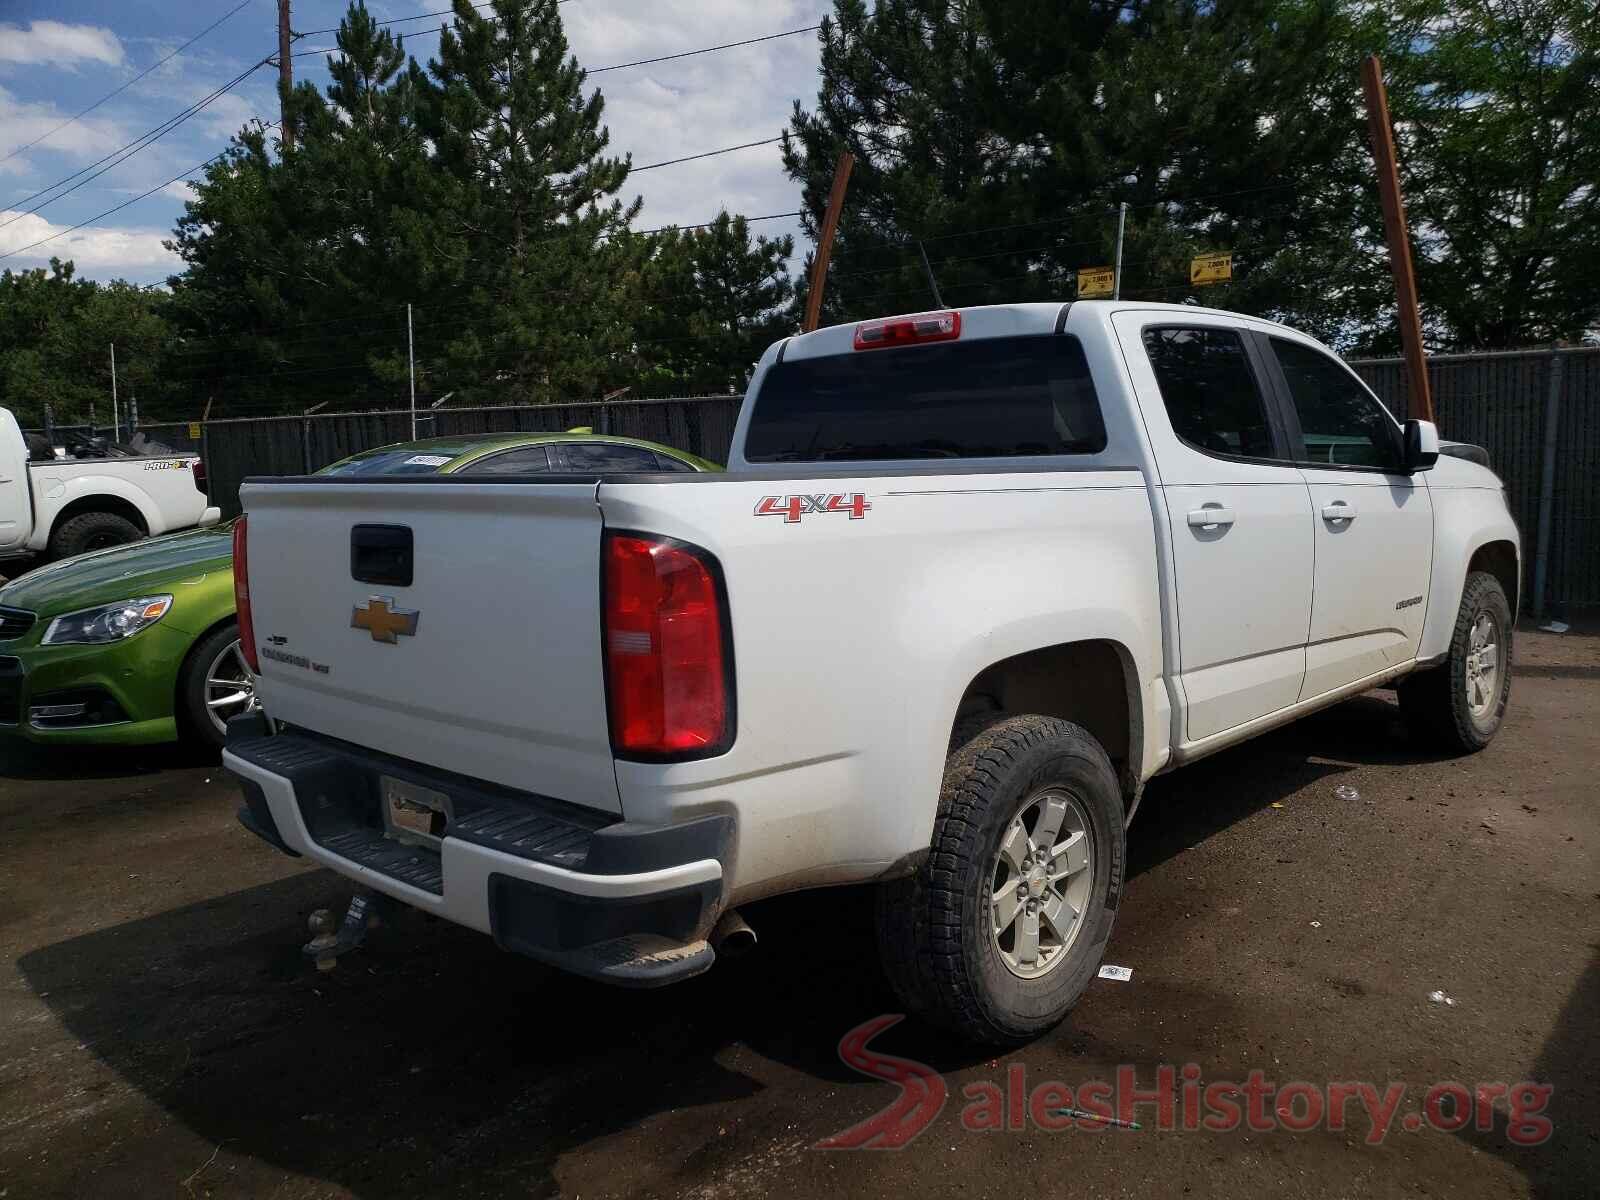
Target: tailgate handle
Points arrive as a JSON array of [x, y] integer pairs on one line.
[[381, 554]]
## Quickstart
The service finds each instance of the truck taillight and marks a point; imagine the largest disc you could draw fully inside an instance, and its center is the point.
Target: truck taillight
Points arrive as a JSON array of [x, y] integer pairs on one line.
[[908, 331], [201, 483], [241, 595], [668, 664]]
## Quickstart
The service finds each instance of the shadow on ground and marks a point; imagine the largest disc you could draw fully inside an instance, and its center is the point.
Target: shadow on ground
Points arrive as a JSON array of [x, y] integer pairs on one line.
[[27, 761], [429, 1060], [1569, 1165]]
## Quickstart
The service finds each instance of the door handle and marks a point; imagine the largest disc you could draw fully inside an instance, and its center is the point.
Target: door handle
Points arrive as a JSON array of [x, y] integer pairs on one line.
[[1339, 510], [1210, 517]]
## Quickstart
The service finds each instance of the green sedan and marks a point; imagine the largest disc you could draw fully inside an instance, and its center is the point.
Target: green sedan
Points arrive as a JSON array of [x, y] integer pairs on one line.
[[138, 643]]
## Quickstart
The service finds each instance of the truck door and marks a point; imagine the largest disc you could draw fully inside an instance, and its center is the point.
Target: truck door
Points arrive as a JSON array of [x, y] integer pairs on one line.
[[16, 510], [1238, 512], [1373, 522]]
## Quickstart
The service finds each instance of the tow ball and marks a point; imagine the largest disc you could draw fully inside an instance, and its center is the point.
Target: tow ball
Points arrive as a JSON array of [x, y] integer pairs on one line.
[[335, 938]]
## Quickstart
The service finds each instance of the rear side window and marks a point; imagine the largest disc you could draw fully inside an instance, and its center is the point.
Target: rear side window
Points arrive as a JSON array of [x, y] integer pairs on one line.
[[991, 398], [1209, 390], [530, 460]]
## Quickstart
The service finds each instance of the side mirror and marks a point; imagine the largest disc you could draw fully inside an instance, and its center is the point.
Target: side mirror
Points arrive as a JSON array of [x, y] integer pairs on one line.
[[1422, 445]]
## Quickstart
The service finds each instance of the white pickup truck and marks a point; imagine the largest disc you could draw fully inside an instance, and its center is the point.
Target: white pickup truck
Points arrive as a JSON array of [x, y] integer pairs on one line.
[[68, 506], [971, 580]]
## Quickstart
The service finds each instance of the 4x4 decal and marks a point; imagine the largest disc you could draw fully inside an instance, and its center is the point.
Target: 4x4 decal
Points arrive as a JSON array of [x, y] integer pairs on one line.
[[792, 508]]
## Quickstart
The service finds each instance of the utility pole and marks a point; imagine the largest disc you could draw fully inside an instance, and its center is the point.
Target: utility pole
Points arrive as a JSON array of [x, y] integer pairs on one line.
[[285, 75], [1419, 399], [1122, 226], [830, 224], [113, 393], [411, 358]]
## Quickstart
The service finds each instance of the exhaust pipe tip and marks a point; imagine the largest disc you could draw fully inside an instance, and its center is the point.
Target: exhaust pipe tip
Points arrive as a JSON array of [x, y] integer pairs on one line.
[[732, 935]]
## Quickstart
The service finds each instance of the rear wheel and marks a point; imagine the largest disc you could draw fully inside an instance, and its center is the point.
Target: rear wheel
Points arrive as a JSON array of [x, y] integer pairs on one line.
[[1459, 705], [92, 531], [1000, 931], [216, 686]]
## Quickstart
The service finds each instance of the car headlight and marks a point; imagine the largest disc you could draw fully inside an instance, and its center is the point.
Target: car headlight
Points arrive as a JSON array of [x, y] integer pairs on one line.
[[107, 622]]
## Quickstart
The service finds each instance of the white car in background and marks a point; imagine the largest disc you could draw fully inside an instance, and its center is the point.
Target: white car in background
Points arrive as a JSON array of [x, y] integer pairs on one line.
[[63, 507]]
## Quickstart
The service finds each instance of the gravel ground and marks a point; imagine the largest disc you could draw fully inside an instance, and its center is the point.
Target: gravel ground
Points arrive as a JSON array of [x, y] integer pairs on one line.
[[160, 1033]]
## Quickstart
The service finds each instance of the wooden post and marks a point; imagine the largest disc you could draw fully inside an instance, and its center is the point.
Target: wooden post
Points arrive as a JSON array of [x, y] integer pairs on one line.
[[1419, 398], [285, 75], [830, 224]]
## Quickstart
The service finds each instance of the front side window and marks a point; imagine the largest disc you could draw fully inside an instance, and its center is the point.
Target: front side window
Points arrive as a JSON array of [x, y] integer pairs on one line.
[[1210, 391], [1341, 424]]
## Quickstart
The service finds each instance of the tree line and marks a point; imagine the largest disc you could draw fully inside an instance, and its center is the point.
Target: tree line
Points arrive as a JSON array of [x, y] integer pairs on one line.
[[994, 141]]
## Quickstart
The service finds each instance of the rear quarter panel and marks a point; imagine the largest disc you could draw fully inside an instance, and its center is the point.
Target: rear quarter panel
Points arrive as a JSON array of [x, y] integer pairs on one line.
[[854, 640]]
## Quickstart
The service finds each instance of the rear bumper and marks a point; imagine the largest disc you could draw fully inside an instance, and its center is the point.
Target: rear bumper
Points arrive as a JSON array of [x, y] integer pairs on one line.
[[627, 904]]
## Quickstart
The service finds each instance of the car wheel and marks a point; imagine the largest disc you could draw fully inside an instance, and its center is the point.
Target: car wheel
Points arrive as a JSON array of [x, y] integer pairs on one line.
[[216, 686], [92, 531], [1460, 704], [1000, 930]]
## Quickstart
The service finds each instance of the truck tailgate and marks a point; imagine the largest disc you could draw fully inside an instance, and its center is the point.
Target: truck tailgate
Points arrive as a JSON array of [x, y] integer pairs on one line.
[[487, 663]]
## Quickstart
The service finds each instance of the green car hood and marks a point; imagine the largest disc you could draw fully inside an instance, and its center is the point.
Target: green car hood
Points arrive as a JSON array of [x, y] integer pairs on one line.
[[172, 564]]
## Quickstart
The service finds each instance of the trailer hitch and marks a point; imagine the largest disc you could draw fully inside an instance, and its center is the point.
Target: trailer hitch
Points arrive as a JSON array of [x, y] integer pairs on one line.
[[335, 938]]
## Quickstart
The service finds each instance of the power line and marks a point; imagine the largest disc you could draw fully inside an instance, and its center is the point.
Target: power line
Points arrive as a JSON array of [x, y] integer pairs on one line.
[[645, 62], [118, 91], [118, 207], [623, 66], [126, 152], [671, 162], [443, 12]]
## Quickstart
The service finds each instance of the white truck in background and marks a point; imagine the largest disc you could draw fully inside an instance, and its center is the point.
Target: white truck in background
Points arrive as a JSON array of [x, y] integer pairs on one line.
[[68, 506], [971, 580]]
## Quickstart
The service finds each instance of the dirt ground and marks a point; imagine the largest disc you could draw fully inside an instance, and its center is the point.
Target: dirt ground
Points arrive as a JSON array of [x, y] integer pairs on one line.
[[160, 1033]]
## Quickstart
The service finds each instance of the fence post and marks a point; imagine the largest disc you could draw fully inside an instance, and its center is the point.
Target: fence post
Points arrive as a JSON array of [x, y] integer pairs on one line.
[[305, 445], [1547, 479]]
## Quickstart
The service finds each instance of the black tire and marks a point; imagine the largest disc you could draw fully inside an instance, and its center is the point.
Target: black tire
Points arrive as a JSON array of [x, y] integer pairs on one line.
[[92, 531], [939, 949], [194, 721], [1435, 702]]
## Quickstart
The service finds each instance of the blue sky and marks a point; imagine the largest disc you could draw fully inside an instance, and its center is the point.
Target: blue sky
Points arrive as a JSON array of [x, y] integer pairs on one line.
[[58, 58]]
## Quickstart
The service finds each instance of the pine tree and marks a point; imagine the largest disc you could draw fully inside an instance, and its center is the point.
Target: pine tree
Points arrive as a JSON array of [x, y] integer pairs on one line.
[[712, 301], [530, 190]]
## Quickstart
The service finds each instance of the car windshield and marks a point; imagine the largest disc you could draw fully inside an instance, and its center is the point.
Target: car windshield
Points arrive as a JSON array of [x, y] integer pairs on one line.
[[405, 460]]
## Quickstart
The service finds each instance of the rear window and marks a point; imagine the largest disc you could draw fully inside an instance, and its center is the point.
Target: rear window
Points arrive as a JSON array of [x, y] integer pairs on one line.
[[992, 398]]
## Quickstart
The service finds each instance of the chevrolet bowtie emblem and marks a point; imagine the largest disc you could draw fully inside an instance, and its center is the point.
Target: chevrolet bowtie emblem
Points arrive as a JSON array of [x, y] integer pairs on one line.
[[385, 623]]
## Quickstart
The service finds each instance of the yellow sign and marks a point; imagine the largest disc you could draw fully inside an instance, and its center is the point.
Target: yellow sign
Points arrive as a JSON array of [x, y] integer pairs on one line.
[[194, 431], [1210, 268], [1096, 281]]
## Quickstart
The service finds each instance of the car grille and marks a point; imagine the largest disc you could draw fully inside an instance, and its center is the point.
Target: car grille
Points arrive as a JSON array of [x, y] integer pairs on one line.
[[14, 622]]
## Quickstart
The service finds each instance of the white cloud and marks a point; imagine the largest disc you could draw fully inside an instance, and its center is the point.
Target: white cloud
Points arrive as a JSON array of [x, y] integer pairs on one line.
[[23, 121], [59, 44], [99, 253], [690, 105]]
